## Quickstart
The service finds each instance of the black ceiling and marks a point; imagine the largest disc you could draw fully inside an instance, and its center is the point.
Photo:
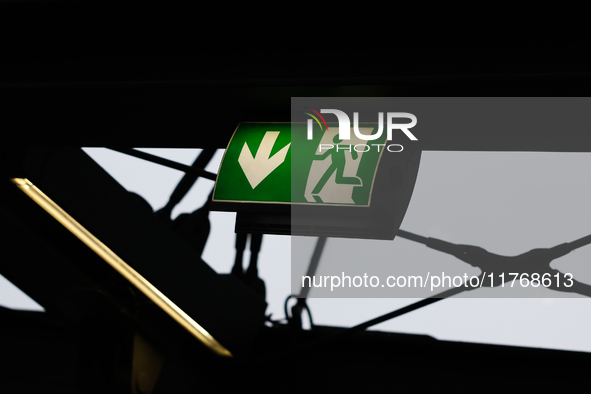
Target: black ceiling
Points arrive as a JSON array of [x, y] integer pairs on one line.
[[98, 72]]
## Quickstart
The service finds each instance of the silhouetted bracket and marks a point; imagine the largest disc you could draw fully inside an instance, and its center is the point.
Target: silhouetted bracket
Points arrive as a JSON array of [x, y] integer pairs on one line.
[[188, 180], [297, 309], [251, 276], [314, 264], [238, 269]]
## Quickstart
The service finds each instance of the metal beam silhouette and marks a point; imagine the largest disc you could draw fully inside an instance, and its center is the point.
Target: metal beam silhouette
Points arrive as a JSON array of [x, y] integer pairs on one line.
[[536, 261]]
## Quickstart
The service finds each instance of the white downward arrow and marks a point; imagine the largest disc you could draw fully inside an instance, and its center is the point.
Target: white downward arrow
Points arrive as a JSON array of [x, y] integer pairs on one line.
[[259, 167]]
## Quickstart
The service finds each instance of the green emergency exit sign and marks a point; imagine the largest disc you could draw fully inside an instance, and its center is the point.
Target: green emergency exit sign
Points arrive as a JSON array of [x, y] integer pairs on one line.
[[277, 163]]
